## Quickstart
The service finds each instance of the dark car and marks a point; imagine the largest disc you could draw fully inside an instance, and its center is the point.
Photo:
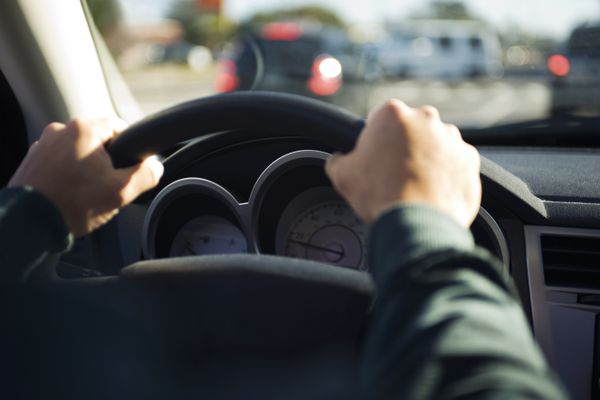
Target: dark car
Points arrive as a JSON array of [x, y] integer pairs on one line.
[[306, 60], [576, 72]]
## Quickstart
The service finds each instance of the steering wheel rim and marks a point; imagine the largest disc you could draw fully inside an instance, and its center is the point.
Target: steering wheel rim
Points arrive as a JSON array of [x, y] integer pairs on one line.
[[277, 112]]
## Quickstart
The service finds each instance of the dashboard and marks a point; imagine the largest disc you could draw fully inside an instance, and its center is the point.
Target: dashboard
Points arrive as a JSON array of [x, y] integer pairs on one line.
[[292, 211], [268, 194]]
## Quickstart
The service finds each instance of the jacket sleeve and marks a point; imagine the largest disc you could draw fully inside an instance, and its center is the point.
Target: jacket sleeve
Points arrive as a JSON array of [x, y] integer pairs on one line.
[[31, 228], [446, 322]]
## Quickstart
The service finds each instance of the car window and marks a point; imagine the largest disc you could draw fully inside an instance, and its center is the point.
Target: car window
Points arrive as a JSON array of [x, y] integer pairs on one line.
[[585, 40], [481, 63]]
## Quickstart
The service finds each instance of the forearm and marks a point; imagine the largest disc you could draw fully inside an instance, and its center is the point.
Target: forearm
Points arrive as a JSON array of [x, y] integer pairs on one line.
[[30, 229], [446, 322]]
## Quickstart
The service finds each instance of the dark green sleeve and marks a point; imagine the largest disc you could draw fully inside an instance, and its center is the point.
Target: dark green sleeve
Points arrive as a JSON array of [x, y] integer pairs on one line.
[[30, 229], [446, 322]]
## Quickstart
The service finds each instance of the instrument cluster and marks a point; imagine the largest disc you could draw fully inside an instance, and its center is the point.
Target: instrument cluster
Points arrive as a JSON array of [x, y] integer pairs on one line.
[[292, 211]]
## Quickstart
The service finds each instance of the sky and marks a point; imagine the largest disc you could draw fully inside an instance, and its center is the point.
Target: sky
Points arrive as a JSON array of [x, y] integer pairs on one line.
[[554, 18]]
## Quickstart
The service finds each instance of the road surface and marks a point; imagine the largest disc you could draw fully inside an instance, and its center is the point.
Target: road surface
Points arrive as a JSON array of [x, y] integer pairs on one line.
[[467, 104], [473, 104]]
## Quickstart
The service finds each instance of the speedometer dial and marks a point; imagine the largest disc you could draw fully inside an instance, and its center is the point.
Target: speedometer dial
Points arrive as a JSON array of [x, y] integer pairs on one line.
[[330, 233], [318, 225]]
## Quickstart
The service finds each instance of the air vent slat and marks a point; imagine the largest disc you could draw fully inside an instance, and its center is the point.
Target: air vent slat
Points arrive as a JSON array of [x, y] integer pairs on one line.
[[569, 267], [571, 251], [571, 261]]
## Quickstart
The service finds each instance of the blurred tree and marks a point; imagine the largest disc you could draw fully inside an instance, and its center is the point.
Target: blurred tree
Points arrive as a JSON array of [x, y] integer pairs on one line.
[[318, 14], [106, 14], [447, 9], [207, 28]]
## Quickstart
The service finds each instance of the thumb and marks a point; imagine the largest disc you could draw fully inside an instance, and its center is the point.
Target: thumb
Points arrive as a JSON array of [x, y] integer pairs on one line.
[[140, 178], [332, 165]]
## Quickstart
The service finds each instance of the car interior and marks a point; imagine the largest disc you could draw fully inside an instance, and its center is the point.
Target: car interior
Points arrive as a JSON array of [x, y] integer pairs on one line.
[[209, 284]]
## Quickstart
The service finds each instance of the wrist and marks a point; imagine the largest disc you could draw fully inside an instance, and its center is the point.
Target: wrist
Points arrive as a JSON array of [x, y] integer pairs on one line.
[[457, 211], [40, 210], [405, 232]]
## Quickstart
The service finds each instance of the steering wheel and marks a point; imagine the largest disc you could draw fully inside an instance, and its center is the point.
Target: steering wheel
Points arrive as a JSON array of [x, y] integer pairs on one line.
[[333, 299]]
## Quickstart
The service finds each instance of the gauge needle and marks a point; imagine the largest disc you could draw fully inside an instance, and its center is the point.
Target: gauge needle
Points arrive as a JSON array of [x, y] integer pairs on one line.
[[313, 246], [189, 248]]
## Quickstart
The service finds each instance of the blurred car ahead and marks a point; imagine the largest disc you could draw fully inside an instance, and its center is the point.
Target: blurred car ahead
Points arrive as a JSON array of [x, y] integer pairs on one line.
[[302, 59], [442, 49], [575, 72]]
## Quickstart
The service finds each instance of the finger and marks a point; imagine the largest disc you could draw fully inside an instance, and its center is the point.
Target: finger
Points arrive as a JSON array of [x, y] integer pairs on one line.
[[430, 112], [337, 169], [331, 165], [139, 178], [107, 128], [53, 128], [397, 108], [118, 124], [392, 105], [453, 131], [373, 112], [474, 154]]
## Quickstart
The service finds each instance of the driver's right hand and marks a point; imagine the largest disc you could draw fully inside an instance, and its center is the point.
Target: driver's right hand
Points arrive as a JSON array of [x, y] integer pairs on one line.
[[408, 155]]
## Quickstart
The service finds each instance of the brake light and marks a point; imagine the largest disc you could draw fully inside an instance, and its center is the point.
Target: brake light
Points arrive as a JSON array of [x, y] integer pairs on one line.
[[326, 78], [559, 65], [282, 31], [227, 80]]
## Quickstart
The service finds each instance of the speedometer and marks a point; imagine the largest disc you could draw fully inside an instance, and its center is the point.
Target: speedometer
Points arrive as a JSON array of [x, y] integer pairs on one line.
[[321, 227], [328, 232]]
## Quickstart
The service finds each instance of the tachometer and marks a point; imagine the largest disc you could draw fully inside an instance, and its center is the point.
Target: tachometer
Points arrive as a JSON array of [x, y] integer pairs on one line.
[[208, 234]]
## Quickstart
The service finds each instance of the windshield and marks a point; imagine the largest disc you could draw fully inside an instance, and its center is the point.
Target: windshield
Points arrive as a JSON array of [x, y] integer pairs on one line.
[[481, 63]]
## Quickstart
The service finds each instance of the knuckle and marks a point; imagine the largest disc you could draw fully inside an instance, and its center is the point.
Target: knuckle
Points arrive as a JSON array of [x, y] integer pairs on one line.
[[337, 168], [342, 185], [77, 123], [453, 129], [474, 155], [430, 111], [153, 177], [473, 150], [394, 107], [120, 198], [392, 113], [118, 190], [51, 129], [78, 126], [333, 171], [332, 164]]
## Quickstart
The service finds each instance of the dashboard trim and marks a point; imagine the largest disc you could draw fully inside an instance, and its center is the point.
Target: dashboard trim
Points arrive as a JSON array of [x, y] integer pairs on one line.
[[498, 235], [274, 170], [554, 310]]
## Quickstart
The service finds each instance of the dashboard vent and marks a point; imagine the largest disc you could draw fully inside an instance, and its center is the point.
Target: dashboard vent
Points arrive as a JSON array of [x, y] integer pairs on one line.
[[571, 261]]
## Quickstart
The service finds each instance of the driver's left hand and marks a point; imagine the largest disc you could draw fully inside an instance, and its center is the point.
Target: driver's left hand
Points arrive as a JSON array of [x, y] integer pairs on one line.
[[70, 166]]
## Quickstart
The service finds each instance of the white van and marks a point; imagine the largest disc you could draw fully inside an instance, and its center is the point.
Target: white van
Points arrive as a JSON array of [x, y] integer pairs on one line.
[[441, 49]]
